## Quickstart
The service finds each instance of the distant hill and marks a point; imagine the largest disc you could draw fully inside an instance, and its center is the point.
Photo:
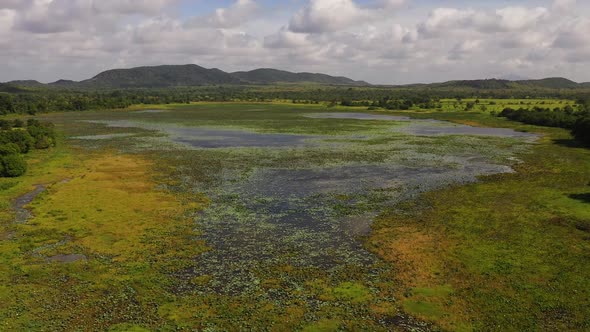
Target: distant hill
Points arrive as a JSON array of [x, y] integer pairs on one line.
[[188, 75], [26, 83], [10, 88], [63, 84], [495, 84], [269, 76], [192, 75], [159, 77], [551, 83], [474, 84]]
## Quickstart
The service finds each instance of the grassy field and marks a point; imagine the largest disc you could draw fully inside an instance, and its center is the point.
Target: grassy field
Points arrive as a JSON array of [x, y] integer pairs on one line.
[[139, 231], [509, 253], [497, 105], [92, 254]]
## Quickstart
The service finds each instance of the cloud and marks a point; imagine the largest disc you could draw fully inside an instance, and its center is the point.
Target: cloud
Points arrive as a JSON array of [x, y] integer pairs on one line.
[[235, 15], [509, 19], [285, 39], [56, 16], [381, 41], [573, 35], [562, 6], [14, 4], [320, 16], [464, 48], [129, 7]]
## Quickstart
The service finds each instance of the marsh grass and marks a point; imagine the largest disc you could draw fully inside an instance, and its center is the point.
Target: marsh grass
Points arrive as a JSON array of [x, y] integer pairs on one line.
[[510, 248]]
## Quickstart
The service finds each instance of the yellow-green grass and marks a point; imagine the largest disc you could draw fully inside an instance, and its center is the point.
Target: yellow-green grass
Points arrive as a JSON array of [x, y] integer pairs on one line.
[[497, 105], [509, 253], [104, 206]]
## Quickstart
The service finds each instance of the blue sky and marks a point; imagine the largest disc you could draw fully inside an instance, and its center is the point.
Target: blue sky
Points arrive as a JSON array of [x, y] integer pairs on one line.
[[380, 41]]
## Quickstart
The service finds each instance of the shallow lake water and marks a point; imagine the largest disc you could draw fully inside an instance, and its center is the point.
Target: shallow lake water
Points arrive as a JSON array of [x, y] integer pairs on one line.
[[442, 128], [202, 137], [425, 127]]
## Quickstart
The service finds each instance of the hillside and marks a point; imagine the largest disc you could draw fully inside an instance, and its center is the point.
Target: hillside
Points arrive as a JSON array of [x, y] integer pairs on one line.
[[474, 84], [551, 83], [10, 88], [496, 84], [63, 84], [159, 77], [26, 83], [269, 76], [167, 76]]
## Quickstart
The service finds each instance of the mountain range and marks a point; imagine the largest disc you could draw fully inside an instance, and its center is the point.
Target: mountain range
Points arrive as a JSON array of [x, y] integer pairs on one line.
[[188, 75], [167, 76]]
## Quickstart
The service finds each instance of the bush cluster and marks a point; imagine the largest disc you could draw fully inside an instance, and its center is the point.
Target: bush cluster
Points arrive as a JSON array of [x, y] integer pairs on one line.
[[18, 138], [577, 121], [581, 130]]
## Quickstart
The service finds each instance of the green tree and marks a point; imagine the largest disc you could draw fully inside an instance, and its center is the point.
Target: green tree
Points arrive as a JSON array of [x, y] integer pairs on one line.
[[581, 130], [13, 165], [19, 137], [9, 148]]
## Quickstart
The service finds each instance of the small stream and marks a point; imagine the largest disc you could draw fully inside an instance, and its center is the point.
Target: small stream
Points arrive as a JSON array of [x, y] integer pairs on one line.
[[22, 213]]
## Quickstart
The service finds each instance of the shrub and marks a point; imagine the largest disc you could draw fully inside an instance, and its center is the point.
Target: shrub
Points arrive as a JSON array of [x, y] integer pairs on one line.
[[43, 133], [18, 123], [9, 148], [43, 142], [581, 130], [20, 137], [13, 165]]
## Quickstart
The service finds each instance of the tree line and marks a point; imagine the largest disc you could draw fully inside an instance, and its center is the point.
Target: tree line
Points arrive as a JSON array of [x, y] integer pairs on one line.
[[576, 121], [51, 100]]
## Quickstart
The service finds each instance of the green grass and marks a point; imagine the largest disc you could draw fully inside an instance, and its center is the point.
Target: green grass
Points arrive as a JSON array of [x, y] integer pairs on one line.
[[497, 105]]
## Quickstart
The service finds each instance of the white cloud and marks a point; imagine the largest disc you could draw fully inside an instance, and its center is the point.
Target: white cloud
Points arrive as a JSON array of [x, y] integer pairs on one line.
[[465, 48], [381, 41], [14, 4], [563, 6], [285, 39], [509, 19], [573, 35], [320, 16], [237, 14]]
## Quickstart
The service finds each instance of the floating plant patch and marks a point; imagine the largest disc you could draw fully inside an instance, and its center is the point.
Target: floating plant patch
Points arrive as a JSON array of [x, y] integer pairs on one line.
[[356, 116], [150, 111], [223, 138], [103, 137], [434, 128]]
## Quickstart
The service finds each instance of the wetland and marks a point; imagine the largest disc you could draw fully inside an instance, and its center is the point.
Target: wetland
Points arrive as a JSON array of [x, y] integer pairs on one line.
[[257, 216]]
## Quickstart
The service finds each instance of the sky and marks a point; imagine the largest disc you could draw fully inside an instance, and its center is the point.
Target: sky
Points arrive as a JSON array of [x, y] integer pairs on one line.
[[378, 41]]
